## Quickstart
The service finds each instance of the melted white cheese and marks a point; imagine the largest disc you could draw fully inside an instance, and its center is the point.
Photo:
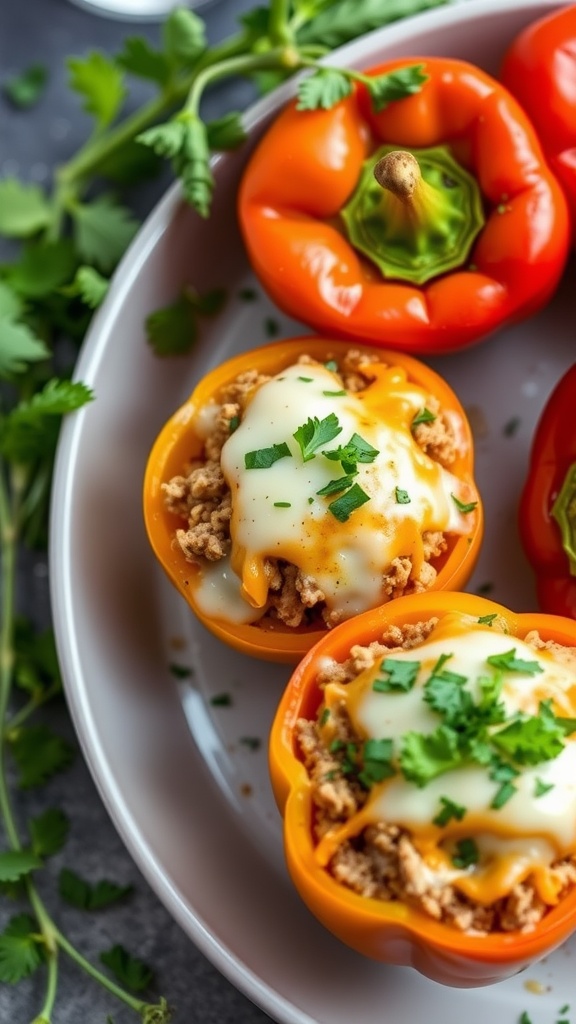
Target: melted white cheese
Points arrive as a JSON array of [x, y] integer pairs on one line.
[[348, 560]]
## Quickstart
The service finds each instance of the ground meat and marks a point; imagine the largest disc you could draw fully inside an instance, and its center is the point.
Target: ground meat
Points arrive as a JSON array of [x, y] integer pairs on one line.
[[382, 861], [200, 497]]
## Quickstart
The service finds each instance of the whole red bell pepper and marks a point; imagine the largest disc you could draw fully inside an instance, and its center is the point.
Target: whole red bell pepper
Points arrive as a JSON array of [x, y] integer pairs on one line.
[[548, 502], [349, 261], [540, 70]]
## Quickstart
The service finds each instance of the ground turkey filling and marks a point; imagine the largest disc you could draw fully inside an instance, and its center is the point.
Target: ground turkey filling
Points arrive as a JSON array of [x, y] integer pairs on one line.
[[382, 862], [201, 498]]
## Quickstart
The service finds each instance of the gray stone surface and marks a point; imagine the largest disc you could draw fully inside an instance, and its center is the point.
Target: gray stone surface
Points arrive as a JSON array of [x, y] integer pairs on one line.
[[31, 143]]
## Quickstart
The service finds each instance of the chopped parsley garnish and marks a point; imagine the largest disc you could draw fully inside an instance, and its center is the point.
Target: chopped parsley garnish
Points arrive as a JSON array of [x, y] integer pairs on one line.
[[376, 762], [221, 700], [464, 506], [251, 742], [306, 380], [347, 503], [331, 365], [316, 432], [401, 676], [466, 854], [402, 497], [511, 427], [341, 483], [180, 671], [334, 394], [541, 787], [424, 416], [508, 662], [263, 458], [282, 504], [234, 423], [324, 716], [423, 756], [357, 450], [531, 739], [449, 811], [503, 795], [487, 620]]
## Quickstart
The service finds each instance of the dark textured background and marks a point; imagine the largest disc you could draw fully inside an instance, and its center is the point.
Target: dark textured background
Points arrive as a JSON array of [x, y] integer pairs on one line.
[[31, 143]]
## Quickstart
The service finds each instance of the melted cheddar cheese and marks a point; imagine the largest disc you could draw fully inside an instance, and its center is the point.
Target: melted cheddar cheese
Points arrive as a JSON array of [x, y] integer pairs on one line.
[[537, 825], [277, 511]]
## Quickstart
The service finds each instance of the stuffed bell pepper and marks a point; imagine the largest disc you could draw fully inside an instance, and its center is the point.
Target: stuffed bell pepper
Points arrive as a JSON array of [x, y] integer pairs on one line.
[[548, 501], [423, 758], [423, 226], [307, 481]]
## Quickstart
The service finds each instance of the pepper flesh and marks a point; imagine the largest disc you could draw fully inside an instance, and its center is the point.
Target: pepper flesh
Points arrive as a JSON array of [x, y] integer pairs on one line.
[[539, 68], [552, 456], [394, 932], [179, 442], [307, 166]]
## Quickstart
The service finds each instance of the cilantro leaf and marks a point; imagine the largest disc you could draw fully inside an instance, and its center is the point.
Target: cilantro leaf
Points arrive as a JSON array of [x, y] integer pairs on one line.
[[402, 497], [342, 483], [316, 432], [36, 668], [49, 832], [20, 952], [24, 209], [11, 305], [173, 329], [102, 230], [18, 348], [323, 89], [343, 507], [16, 864], [24, 90], [101, 83], [127, 969], [140, 59], [531, 739], [42, 268], [446, 694], [184, 140], [91, 286], [30, 430], [464, 507], [448, 811], [376, 762], [183, 35], [424, 416], [337, 23], [466, 855], [395, 85], [508, 662], [263, 458], [356, 450], [401, 676], [39, 754], [541, 787], [81, 894], [423, 756]]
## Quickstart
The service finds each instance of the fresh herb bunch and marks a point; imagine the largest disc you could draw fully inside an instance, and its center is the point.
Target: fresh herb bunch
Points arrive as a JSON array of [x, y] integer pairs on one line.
[[67, 240]]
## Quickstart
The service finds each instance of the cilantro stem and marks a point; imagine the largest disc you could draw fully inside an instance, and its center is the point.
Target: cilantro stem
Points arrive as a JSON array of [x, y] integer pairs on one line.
[[8, 549], [243, 64], [279, 28], [71, 175], [138, 1005]]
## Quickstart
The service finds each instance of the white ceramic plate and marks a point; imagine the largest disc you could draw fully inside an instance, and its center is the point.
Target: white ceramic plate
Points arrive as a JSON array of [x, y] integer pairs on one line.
[[187, 793]]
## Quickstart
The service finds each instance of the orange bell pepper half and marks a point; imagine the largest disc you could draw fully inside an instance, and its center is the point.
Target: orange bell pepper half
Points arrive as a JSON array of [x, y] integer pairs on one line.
[[539, 69], [181, 440], [391, 930], [548, 502], [306, 170]]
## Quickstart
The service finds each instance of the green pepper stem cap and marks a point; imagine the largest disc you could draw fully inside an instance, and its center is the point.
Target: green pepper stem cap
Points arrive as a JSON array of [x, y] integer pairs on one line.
[[414, 214]]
